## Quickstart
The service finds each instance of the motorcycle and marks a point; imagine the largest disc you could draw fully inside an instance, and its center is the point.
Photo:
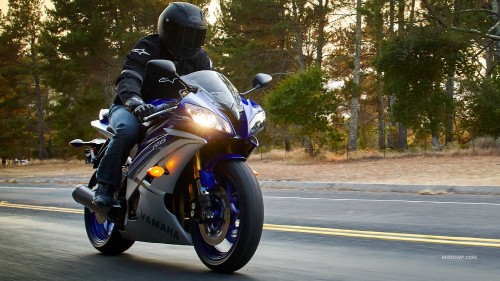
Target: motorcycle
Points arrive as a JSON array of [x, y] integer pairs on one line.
[[187, 182]]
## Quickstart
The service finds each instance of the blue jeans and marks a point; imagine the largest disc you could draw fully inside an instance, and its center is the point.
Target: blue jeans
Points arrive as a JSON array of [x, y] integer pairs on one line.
[[126, 127]]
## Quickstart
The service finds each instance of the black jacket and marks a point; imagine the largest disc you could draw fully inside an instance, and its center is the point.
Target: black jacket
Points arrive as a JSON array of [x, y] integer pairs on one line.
[[133, 81]]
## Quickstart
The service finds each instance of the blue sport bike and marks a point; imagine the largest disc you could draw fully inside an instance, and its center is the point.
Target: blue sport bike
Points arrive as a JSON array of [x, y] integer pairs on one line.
[[187, 182]]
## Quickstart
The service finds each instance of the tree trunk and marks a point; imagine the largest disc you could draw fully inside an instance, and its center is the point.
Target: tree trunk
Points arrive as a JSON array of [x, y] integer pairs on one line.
[[379, 22], [322, 13], [492, 50], [39, 102], [307, 144], [411, 21], [391, 139], [391, 17], [402, 28], [397, 134], [380, 113], [436, 144], [296, 14], [288, 144], [311, 147], [495, 5], [450, 90], [401, 17], [353, 127], [403, 140], [450, 82]]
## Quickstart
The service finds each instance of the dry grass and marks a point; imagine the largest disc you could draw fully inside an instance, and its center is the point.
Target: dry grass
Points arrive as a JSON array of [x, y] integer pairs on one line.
[[51, 162], [53, 167], [299, 156], [478, 167]]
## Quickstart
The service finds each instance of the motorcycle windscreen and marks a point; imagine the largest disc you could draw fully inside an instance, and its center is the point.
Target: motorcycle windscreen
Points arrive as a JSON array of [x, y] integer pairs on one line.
[[219, 88]]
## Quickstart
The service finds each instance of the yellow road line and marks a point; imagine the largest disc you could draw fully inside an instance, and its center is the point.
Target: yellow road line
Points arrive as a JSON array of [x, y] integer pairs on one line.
[[406, 237], [41, 208], [327, 231]]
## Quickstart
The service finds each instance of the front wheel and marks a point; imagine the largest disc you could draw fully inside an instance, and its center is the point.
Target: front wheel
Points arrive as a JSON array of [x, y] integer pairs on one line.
[[228, 241]]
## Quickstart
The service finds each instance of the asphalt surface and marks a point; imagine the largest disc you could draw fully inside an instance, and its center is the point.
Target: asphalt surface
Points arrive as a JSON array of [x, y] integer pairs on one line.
[[310, 233], [370, 187]]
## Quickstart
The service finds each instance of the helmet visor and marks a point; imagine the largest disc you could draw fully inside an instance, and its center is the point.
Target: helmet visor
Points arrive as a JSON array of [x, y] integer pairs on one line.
[[186, 37]]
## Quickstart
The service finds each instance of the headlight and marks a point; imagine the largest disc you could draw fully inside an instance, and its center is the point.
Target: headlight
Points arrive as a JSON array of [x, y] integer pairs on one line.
[[208, 119], [257, 123]]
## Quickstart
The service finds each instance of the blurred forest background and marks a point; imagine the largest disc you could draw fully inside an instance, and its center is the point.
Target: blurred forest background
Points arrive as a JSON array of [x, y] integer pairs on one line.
[[349, 75]]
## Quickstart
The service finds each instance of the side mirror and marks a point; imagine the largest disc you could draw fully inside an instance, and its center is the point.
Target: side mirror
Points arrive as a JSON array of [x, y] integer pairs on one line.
[[260, 80], [76, 143], [160, 67]]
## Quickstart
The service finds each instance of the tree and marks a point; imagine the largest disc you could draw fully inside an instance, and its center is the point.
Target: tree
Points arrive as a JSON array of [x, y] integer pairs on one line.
[[15, 139], [283, 36], [479, 19], [482, 102], [87, 44], [24, 23], [418, 60], [415, 70], [297, 18], [374, 14], [302, 100], [250, 38], [469, 19], [353, 127]]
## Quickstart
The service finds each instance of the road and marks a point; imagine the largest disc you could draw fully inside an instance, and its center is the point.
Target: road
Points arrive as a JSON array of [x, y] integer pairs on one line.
[[309, 235]]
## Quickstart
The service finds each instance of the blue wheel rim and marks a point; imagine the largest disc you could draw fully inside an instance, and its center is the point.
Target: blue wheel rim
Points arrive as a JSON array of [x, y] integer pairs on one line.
[[99, 232], [220, 251]]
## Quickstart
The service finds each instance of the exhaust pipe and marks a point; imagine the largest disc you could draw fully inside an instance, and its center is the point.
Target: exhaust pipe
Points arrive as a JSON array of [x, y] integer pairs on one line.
[[84, 195]]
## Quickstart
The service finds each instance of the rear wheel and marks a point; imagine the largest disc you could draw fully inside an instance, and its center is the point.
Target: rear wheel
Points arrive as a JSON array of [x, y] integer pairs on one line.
[[227, 242], [103, 234]]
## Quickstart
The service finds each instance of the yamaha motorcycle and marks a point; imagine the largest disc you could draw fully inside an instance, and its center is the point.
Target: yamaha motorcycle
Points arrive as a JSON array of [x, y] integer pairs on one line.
[[187, 181]]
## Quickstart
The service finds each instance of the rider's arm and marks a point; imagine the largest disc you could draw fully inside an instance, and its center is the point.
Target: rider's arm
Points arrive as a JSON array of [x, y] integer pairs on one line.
[[128, 84]]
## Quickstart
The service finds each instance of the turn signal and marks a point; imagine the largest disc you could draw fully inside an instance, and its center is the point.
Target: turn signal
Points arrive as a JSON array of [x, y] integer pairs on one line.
[[156, 171], [255, 173]]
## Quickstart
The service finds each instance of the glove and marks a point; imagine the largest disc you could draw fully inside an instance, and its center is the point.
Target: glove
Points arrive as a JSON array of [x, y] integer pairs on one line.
[[133, 102], [144, 110], [137, 106]]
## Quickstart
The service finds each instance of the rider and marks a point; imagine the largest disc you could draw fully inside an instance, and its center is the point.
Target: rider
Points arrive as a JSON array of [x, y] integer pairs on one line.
[[181, 33]]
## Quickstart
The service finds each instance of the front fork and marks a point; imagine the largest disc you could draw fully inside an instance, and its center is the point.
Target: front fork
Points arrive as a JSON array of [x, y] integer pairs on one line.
[[201, 207]]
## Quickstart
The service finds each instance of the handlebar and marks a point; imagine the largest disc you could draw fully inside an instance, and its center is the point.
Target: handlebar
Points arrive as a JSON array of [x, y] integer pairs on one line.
[[161, 111]]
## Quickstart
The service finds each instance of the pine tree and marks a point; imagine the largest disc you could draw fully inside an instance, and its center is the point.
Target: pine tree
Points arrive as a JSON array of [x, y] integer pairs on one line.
[[353, 126], [87, 44], [24, 24], [14, 105]]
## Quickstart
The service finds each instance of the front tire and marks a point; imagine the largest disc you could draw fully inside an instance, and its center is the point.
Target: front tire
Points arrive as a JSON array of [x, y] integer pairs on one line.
[[103, 235], [227, 242]]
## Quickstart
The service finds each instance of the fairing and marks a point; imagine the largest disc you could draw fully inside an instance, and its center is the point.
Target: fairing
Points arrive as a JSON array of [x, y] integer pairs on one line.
[[223, 93]]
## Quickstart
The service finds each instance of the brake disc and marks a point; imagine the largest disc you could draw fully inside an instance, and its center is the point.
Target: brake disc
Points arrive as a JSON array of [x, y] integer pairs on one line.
[[214, 230]]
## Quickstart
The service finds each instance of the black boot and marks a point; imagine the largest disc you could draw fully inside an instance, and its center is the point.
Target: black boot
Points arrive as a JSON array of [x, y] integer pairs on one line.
[[103, 195]]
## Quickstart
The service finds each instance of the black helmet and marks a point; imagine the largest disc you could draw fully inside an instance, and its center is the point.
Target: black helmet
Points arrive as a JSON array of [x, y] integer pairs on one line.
[[182, 29]]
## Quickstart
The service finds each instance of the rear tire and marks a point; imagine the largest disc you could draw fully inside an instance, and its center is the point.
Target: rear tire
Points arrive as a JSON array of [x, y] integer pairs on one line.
[[227, 242], [105, 237]]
